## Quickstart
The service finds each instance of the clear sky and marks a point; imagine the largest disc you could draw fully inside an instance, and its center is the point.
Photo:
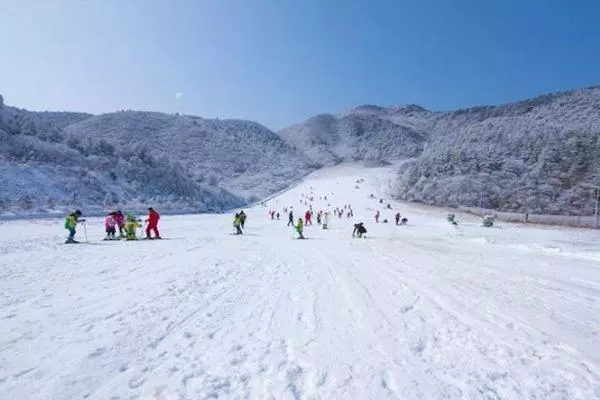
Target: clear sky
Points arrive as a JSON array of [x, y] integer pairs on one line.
[[279, 62]]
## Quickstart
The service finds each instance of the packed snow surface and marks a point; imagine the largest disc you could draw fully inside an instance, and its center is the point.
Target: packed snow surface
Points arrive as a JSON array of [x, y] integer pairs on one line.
[[423, 311]]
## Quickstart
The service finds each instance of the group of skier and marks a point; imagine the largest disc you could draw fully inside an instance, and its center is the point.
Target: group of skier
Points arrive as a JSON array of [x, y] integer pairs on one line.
[[127, 224]]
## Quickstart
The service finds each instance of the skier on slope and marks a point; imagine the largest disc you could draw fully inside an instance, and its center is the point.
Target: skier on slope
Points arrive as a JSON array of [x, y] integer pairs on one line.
[[242, 218], [71, 222], [377, 214], [308, 217], [291, 218], [397, 217], [359, 230], [300, 228], [120, 221], [325, 220], [131, 225], [237, 223], [152, 221], [110, 226]]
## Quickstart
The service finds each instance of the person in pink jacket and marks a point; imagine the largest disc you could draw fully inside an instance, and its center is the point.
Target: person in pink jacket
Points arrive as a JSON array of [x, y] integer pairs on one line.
[[110, 226], [120, 221]]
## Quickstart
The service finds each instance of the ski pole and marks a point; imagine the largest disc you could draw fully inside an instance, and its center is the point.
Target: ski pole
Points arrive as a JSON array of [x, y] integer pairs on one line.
[[85, 230]]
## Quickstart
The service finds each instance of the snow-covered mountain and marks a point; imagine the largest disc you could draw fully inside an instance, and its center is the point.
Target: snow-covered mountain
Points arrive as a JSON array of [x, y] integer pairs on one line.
[[540, 155], [52, 161]]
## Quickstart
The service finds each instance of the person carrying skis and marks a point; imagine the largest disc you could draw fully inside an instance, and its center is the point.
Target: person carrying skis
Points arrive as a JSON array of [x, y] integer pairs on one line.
[[242, 218], [152, 222], [71, 222], [299, 228], [237, 222], [325, 220], [131, 226], [110, 226], [120, 221], [291, 218], [359, 230]]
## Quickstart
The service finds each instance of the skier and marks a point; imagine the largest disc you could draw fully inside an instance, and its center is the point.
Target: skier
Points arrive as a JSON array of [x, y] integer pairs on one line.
[[120, 221], [308, 217], [291, 218], [131, 225], [109, 226], [377, 217], [359, 230], [272, 212], [70, 223], [397, 217], [242, 218], [277, 216], [152, 221], [325, 220], [299, 228], [319, 215], [237, 222], [404, 221]]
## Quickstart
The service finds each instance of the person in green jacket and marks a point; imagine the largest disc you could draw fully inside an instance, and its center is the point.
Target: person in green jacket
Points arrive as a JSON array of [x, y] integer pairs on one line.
[[70, 223], [131, 226], [299, 228], [237, 223]]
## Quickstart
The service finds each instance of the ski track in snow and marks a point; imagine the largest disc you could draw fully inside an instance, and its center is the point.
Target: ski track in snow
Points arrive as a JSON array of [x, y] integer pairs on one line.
[[424, 311]]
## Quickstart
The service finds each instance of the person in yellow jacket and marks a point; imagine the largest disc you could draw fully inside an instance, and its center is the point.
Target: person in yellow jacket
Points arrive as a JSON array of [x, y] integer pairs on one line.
[[70, 223], [299, 228], [237, 224], [131, 226]]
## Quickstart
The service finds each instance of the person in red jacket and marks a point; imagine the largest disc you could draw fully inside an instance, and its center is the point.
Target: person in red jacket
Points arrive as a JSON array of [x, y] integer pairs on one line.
[[152, 221], [308, 218]]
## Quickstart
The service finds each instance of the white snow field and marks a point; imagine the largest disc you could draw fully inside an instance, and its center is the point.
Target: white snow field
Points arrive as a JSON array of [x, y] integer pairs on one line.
[[424, 311]]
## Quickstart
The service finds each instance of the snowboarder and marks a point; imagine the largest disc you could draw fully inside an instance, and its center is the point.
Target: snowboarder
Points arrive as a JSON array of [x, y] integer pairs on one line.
[[359, 230], [110, 226], [308, 217], [152, 221], [242, 218], [291, 218], [299, 228], [237, 222], [71, 222], [120, 221], [397, 217], [377, 214], [131, 225]]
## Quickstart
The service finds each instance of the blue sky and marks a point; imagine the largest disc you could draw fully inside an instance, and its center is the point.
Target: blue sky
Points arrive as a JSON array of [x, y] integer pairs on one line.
[[281, 61]]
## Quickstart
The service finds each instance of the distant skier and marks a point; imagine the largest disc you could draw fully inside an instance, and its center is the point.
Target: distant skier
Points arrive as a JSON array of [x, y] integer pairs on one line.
[[319, 217], [290, 218], [237, 223], [404, 221], [359, 230], [242, 219], [308, 217], [110, 226], [377, 214], [120, 221], [300, 228], [131, 225], [152, 221], [277, 216], [71, 222]]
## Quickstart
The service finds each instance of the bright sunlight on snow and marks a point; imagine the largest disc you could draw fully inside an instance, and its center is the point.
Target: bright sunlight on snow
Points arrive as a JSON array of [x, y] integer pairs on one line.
[[428, 310]]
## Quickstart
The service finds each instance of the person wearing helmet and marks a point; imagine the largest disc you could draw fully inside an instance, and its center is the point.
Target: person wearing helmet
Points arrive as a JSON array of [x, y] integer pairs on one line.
[[70, 223], [130, 227]]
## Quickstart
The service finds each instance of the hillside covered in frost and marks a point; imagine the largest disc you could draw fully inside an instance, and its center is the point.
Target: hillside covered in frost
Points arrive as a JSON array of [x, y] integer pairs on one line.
[[540, 155], [58, 160]]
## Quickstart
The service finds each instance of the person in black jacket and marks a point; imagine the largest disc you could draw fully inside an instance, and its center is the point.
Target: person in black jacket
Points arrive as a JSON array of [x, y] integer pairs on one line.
[[359, 230]]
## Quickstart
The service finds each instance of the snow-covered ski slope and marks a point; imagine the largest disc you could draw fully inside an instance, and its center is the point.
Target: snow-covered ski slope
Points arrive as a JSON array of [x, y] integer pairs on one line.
[[424, 311]]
